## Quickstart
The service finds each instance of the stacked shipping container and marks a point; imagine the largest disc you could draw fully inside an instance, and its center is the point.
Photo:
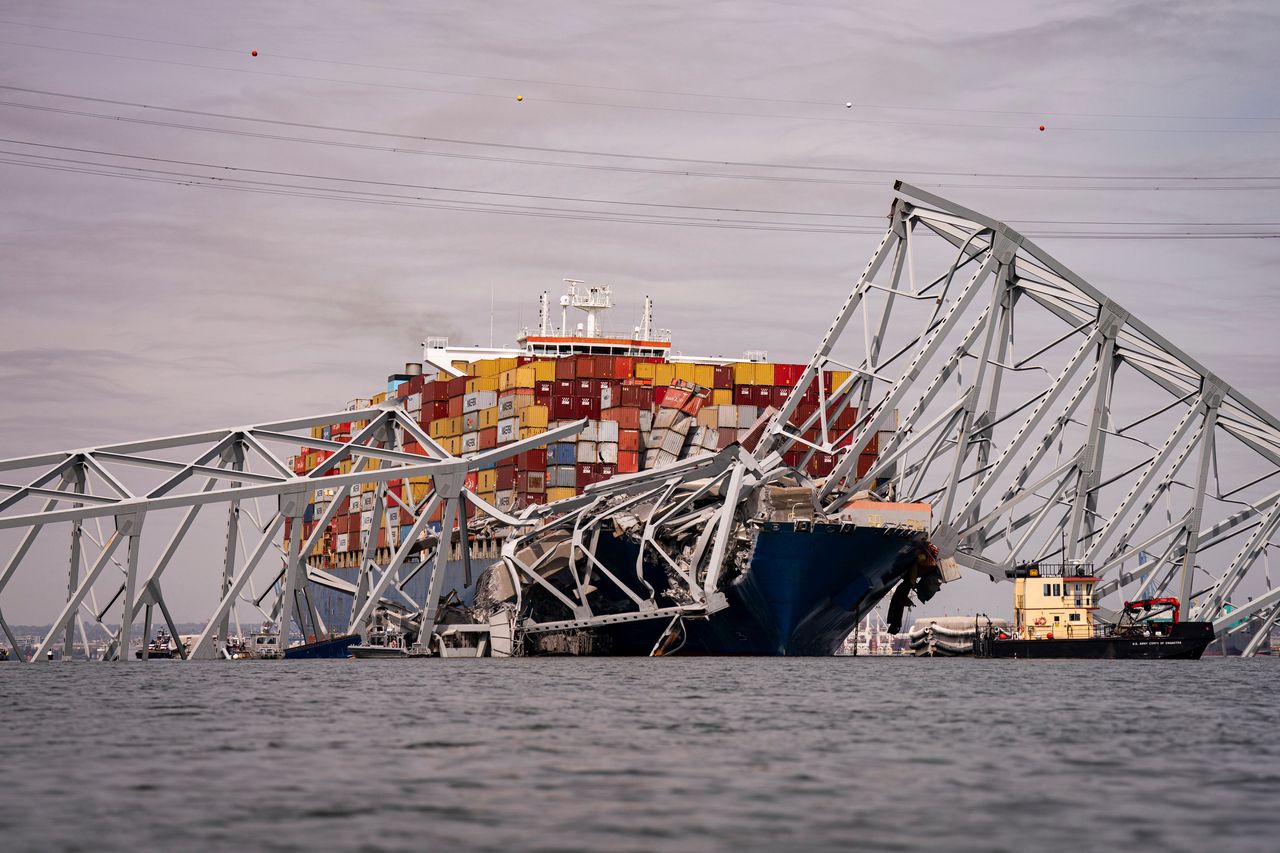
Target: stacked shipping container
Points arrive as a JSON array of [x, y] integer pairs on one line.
[[641, 413]]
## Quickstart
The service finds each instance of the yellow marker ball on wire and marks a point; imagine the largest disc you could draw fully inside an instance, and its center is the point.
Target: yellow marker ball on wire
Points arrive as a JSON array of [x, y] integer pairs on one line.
[[519, 97]]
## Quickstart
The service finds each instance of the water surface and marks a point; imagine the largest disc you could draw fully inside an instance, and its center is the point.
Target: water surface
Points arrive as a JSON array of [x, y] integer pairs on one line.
[[680, 754]]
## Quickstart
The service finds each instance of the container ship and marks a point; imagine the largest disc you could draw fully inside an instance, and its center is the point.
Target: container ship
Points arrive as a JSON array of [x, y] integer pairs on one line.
[[797, 579]]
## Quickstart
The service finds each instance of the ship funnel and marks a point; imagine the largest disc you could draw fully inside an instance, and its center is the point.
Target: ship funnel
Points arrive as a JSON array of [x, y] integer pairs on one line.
[[413, 368]]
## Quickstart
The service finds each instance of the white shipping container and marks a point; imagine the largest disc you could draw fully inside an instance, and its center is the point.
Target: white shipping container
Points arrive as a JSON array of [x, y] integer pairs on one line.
[[470, 442], [587, 451], [507, 406], [608, 431], [673, 442], [606, 396], [366, 501], [415, 401], [342, 541], [353, 503], [608, 452], [393, 536], [471, 422], [646, 420], [477, 400], [727, 416], [747, 416], [357, 488], [591, 432], [508, 430], [366, 522], [505, 501], [393, 516]]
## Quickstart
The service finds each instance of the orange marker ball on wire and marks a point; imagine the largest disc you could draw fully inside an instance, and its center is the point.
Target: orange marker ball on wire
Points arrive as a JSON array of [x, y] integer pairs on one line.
[[253, 53]]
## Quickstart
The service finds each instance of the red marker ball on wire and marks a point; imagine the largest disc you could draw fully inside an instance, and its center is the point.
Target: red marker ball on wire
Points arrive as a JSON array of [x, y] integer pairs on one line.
[[253, 53], [1042, 128]]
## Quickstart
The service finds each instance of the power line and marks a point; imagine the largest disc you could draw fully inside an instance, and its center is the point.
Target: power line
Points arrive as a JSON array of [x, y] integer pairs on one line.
[[222, 167], [1185, 186], [390, 199], [630, 156], [636, 90], [644, 107]]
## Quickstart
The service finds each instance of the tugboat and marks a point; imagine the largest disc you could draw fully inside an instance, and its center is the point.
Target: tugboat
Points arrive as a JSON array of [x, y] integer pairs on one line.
[[386, 640], [1054, 618], [163, 646]]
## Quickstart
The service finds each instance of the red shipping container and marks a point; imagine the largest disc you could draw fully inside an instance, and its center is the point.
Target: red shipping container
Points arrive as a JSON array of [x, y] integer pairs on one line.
[[532, 460], [413, 447], [542, 393], [458, 386], [506, 477], [522, 360], [723, 377], [627, 417], [439, 409], [489, 438], [629, 461], [585, 366], [586, 408], [629, 439], [416, 383], [744, 395], [606, 470], [865, 461], [472, 480], [533, 498], [587, 474], [623, 367], [587, 388], [613, 389], [531, 482], [562, 408], [674, 398], [455, 407], [566, 368], [565, 387]]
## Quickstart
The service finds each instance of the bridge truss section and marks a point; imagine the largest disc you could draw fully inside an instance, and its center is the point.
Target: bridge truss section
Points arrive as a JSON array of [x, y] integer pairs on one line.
[[1042, 420], [126, 513]]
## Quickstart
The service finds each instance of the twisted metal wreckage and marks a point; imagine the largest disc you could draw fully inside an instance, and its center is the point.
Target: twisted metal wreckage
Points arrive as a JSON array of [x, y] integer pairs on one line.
[[1067, 452]]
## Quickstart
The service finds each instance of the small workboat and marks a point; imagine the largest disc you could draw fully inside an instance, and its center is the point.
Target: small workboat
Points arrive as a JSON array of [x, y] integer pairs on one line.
[[1054, 615]]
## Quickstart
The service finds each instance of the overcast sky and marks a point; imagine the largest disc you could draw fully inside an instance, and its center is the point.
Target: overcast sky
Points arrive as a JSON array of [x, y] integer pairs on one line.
[[135, 308]]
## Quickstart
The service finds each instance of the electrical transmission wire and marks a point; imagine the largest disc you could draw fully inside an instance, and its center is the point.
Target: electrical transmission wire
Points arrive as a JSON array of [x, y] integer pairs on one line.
[[616, 105], [630, 156], [254, 134], [79, 166]]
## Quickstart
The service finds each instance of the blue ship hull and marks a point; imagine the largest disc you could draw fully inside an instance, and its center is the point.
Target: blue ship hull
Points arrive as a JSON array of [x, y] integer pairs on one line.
[[805, 589], [334, 647]]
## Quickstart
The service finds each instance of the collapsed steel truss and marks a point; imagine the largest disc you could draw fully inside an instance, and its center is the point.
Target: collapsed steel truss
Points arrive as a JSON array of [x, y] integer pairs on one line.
[[1040, 419], [232, 467]]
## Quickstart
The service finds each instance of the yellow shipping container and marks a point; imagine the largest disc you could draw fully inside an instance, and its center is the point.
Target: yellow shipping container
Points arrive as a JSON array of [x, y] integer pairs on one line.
[[530, 432], [506, 364], [704, 375], [453, 444], [744, 373], [488, 367], [556, 493], [485, 383], [419, 491], [544, 371], [664, 375], [489, 417], [722, 397], [646, 370], [487, 481], [471, 386], [435, 429], [686, 372], [463, 367], [534, 416], [764, 374], [839, 377]]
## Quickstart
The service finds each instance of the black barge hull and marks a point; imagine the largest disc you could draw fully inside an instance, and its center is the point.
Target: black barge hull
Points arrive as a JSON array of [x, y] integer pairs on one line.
[[1185, 641]]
